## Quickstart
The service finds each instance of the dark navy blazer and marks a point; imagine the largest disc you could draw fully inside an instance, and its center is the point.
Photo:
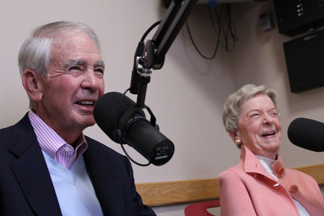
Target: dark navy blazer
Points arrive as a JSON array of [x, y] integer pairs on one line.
[[26, 188]]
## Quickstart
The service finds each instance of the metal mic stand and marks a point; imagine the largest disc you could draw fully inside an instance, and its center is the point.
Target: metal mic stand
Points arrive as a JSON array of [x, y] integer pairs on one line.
[[152, 54]]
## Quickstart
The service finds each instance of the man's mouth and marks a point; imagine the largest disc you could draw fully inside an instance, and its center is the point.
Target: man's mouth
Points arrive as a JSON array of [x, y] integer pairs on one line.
[[86, 103]]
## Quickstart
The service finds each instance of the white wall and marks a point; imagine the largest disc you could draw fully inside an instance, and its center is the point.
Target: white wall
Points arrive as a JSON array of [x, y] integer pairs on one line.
[[186, 95]]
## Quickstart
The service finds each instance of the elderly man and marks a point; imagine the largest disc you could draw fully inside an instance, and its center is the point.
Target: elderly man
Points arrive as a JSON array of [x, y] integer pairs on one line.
[[48, 167]]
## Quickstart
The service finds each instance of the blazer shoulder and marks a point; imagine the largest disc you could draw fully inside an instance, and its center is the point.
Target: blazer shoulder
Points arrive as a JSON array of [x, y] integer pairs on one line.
[[7, 131], [232, 170], [301, 176], [6, 135]]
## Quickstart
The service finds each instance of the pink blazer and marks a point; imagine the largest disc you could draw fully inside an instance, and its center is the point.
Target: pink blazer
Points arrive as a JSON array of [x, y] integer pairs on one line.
[[247, 189]]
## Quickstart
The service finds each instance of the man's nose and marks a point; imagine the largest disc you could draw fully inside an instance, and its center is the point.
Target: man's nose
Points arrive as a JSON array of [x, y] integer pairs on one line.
[[90, 80]]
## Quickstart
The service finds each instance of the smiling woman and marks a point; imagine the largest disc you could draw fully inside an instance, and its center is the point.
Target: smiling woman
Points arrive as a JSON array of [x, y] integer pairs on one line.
[[252, 120]]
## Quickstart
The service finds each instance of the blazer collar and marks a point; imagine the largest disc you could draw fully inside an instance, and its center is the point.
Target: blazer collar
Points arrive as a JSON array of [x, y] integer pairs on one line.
[[252, 165], [31, 171]]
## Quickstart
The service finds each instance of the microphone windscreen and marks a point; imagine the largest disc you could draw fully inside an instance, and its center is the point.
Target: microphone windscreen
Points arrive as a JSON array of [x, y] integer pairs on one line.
[[307, 134], [108, 109]]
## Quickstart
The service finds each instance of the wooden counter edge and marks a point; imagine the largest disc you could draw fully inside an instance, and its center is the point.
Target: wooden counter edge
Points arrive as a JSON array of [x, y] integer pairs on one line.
[[188, 191]]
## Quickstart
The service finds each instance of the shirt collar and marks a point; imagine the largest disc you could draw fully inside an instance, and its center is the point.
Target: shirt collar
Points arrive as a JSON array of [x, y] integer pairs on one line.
[[54, 145], [267, 163]]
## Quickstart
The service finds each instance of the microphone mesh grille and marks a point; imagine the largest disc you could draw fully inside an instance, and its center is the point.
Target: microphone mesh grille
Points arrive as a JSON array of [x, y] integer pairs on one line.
[[108, 109]]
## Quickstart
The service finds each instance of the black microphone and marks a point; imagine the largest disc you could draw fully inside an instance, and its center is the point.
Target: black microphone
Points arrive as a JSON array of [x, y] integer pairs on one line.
[[125, 123], [307, 134]]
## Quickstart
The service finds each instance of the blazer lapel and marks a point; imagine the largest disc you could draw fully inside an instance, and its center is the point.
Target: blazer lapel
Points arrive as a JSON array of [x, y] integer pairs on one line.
[[31, 171], [104, 177]]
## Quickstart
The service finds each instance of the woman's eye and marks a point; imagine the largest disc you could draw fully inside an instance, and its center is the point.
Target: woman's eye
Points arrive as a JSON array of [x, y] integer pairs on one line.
[[255, 115], [273, 113]]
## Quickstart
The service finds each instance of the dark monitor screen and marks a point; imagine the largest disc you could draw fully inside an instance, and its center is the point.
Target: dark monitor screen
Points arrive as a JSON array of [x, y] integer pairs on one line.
[[298, 16], [305, 62]]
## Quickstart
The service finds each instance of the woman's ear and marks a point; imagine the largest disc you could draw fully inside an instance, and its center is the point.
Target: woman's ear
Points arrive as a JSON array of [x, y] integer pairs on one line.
[[236, 137], [32, 84]]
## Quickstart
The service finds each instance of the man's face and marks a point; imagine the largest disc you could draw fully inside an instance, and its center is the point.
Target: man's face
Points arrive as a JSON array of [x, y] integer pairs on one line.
[[74, 83]]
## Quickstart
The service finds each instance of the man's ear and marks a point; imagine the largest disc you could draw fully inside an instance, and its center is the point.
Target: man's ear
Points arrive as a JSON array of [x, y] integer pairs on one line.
[[32, 84]]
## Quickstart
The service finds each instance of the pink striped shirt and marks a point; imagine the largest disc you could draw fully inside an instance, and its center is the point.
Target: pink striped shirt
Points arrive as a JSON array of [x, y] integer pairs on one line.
[[54, 145]]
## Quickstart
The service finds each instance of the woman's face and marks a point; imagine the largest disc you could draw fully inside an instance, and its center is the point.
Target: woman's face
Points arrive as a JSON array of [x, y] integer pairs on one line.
[[259, 128]]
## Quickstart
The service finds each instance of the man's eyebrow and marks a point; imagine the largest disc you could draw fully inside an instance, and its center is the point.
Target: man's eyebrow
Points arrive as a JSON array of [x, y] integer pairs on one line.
[[72, 62], [83, 63], [100, 64]]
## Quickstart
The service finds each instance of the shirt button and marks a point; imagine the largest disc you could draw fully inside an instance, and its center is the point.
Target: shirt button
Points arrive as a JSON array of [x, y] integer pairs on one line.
[[293, 188], [281, 171]]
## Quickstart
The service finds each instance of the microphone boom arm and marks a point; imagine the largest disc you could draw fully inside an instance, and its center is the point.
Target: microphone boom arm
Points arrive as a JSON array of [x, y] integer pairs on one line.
[[152, 54], [171, 24]]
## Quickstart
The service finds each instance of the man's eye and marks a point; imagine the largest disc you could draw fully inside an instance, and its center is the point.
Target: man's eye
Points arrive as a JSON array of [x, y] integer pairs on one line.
[[99, 72], [75, 68]]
